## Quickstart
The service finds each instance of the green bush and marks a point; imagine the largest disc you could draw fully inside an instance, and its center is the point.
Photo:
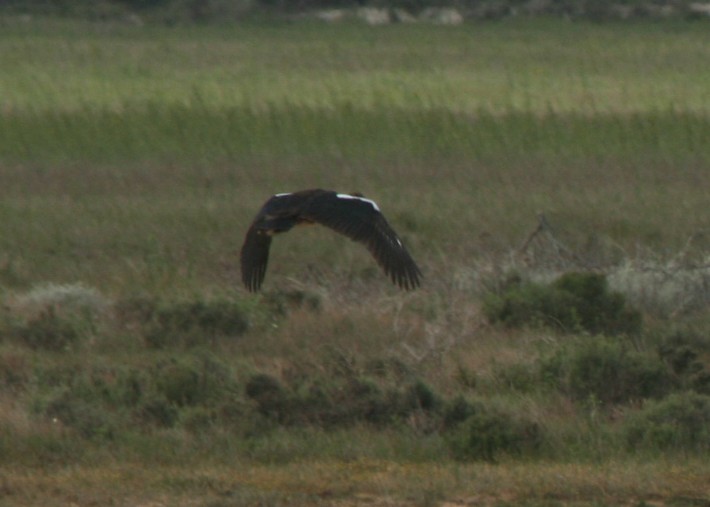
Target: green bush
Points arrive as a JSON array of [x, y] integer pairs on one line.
[[489, 432], [83, 414], [457, 410], [90, 400], [575, 302], [282, 302], [340, 401], [179, 383], [420, 396], [523, 377], [196, 380], [606, 370], [15, 371], [271, 397], [131, 387], [687, 356], [158, 411], [48, 331], [198, 419], [680, 422], [363, 399], [192, 323], [97, 401]]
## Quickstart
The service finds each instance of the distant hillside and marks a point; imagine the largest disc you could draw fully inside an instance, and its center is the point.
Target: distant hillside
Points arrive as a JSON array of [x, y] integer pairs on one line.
[[371, 11]]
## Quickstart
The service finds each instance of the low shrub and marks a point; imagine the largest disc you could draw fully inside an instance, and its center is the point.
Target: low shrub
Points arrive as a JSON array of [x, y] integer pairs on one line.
[[53, 316], [97, 401], [363, 399], [678, 422], [192, 323], [457, 410], [522, 377], [156, 410], [200, 379], [15, 371], [131, 387], [606, 370], [88, 400], [282, 302], [48, 331], [88, 418], [272, 399], [575, 302], [339, 401], [179, 383], [686, 354], [489, 432], [198, 419], [420, 396]]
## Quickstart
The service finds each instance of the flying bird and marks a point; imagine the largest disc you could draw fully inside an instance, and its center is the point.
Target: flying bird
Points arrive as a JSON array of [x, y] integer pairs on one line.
[[353, 215]]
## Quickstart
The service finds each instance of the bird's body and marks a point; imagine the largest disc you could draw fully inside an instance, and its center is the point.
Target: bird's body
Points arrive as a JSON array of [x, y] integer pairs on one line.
[[353, 215]]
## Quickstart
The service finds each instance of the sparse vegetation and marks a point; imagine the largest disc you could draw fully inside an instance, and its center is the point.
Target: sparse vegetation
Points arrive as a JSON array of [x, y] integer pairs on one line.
[[489, 432], [195, 323], [134, 369], [678, 423], [608, 371], [575, 302]]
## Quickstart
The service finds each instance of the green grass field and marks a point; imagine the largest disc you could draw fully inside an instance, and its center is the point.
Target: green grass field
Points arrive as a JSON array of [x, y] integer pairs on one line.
[[135, 369]]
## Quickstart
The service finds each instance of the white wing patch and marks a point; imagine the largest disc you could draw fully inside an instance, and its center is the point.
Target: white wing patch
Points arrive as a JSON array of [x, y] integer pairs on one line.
[[283, 194], [369, 201]]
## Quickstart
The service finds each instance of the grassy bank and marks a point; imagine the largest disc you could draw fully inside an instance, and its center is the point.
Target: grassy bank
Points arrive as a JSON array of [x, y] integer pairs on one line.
[[132, 160]]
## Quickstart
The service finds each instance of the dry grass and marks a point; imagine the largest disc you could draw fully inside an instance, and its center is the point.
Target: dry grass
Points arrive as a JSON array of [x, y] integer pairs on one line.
[[363, 482]]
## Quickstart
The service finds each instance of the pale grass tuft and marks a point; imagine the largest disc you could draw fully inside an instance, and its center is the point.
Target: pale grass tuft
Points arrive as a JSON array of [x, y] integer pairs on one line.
[[69, 299], [662, 288]]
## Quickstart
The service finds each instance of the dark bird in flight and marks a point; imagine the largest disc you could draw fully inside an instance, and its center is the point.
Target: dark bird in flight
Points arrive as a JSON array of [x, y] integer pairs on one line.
[[350, 214]]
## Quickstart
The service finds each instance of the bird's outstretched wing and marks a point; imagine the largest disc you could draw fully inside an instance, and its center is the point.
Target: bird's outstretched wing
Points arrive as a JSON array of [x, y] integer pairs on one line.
[[255, 257], [354, 216], [360, 219]]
